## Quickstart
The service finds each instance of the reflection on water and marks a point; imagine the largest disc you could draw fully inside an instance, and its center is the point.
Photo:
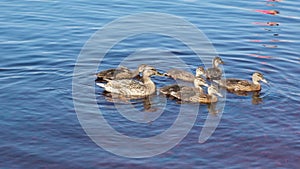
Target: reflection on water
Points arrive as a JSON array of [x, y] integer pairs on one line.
[[272, 3], [256, 99], [212, 109], [273, 27], [266, 23], [255, 96], [141, 109], [116, 98], [270, 12], [273, 23]]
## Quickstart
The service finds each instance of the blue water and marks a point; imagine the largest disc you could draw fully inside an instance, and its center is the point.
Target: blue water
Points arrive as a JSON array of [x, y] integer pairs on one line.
[[41, 40]]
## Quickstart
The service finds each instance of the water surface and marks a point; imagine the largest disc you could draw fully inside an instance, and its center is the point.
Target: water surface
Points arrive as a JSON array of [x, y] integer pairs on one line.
[[41, 40]]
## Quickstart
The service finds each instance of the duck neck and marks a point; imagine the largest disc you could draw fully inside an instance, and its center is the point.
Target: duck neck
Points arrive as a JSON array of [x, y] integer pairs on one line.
[[255, 81], [199, 88], [256, 84], [215, 64], [149, 83], [213, 97]]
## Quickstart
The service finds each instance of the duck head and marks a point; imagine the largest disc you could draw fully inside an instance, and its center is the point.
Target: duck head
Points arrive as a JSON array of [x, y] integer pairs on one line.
[[217, 61], [200, 71], [149, 71], [199, 82], [256, 77]]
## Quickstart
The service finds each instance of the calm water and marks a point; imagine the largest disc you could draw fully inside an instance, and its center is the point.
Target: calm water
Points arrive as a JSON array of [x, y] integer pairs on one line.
[[40, 41]]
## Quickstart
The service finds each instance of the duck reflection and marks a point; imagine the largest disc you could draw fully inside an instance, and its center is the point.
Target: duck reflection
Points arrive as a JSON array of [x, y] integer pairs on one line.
[[255, 96], [136, 109], [212, 109], [121, 99], [256, 99]]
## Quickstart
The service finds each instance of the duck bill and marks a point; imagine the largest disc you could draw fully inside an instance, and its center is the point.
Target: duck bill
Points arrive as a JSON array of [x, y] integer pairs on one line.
[[219, 94], [264, 80], [160, 74]]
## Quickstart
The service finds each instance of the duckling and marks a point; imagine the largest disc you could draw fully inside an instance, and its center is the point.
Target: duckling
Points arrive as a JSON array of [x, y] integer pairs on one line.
[[243, 85], [215, 72], [130, 87], [198, 97], [198, 82], [119, 73], [184, 75]]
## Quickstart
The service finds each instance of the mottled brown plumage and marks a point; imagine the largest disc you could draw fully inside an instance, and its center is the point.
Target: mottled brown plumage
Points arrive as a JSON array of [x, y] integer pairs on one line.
[[197, 97], [179, 74], [119, 73], [198, 82], [243, 85], [215, 72], [130, 87]]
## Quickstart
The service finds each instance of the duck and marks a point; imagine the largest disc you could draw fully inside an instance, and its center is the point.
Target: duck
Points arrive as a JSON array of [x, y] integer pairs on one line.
[[198, 82], [198, 97], [119, 73], [132, 87], [184, 75], [243, 85], [214, 72]]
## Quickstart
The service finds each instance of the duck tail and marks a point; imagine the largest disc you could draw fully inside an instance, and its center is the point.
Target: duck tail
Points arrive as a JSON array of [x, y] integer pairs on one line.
[[101, 85], [106, 79], [174, 94]]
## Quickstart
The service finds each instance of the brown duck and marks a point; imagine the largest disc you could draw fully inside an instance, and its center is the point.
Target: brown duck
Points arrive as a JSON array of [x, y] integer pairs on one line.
[[119, 73], [243, 85], [215, 72], [184, 75], [197, 97]]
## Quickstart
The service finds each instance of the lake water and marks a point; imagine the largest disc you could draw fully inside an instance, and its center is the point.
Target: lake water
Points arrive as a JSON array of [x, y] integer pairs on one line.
[[41, 40]]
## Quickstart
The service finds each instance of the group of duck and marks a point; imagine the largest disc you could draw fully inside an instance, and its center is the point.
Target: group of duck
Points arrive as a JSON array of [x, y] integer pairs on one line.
[[122, 81]]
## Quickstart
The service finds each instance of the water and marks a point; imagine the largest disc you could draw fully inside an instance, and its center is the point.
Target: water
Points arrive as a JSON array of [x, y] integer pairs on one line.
[[41, 40]]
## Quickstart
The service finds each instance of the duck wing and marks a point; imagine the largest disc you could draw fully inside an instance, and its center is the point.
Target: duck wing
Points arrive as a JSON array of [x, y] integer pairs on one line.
[[117, 73], [166, 90], [235, 84], [213, 73], [244, 83], [126, 87], [185, 93], [181, 74]]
